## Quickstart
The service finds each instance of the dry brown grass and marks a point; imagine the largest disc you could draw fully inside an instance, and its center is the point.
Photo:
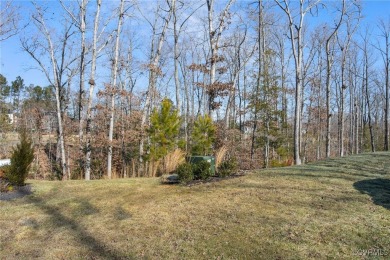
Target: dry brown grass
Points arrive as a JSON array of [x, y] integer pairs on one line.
[[336, 209], [172, 160], [220, 155], [153, 167]]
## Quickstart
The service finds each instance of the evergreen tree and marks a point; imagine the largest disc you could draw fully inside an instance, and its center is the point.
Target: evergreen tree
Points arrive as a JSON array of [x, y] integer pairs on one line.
[[264, 103], [4, 93], [203, 136], [164, 130], [17, 87], [21, 159]]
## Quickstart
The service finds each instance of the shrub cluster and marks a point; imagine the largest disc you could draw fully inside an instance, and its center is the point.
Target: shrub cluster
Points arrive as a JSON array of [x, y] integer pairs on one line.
[[201, 170], [227, 167], [198, 171], [184, 172]]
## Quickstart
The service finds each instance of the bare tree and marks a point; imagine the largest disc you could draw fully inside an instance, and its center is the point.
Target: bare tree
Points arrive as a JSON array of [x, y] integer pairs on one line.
[[329, 63], [385, 54], [296, 27], [352, 23], [261, 50], [96, 49], [176, 52], [367, 63], [87, 167], [214, 33], [239, 57], [114, 72], [60, 62], [80, 23], [9, 22]]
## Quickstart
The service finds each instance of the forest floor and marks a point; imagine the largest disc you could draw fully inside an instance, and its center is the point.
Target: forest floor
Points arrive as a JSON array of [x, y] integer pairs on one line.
[[337, 208]]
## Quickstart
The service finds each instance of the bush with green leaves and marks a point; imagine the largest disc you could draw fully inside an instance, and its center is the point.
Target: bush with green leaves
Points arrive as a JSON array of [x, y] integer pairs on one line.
[[227, 167], [201, 170], [184, 172], [21, 159], [203, 136]]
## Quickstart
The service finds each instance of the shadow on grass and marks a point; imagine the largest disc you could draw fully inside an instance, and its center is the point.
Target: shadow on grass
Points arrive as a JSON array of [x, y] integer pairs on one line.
[[378, 189], [96, 248]]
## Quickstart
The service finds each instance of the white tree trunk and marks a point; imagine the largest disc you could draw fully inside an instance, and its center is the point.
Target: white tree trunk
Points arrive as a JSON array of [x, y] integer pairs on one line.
[[82, 74], [114, 71], [90, 95]]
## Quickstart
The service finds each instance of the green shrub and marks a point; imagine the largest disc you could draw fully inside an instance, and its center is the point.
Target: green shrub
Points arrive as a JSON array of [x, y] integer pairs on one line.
[[227, 168], [21, 159], [184, 171], [201, 170]]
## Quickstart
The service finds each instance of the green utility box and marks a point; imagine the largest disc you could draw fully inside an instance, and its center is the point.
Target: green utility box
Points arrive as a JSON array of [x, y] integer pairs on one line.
[[210, 159]]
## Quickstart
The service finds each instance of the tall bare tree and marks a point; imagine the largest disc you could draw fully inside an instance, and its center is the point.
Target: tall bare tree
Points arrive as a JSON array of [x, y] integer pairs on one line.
[[178, 27], [60, 62], [296, 28], [114, 73], [365, 47], [329, 63], [80, 23], [384, 28], [352, 23], [215, 29], [9, 21]]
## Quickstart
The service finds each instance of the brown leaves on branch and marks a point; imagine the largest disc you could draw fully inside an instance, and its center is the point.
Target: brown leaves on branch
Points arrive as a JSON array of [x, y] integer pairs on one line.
[[219, 89], [153, 68], [199, 67], [215, 59]]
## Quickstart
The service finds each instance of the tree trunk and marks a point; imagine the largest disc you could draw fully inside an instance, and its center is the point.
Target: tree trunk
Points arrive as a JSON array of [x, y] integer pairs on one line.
[[386, 34], [88, 149], [82, 74], [368, 104], [176, 56], [328, 114], [114, 71], [214, 36], [296, 38]]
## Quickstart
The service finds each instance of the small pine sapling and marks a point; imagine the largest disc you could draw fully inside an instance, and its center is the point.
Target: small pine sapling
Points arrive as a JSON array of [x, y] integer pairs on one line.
[[203, 136], [21, 159], [163, 131]]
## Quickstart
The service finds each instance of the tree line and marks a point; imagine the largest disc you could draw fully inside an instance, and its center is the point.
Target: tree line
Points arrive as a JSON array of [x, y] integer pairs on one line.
[[272, 82]]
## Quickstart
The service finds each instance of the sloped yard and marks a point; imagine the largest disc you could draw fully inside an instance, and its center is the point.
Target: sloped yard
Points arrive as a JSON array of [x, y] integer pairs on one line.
[[331, 209]]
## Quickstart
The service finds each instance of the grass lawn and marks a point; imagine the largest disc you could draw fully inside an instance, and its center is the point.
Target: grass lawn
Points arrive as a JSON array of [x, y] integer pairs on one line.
[[331, 209]]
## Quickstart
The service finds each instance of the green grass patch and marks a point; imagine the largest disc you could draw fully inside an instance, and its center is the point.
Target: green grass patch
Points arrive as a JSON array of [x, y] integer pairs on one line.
[[331, 209]]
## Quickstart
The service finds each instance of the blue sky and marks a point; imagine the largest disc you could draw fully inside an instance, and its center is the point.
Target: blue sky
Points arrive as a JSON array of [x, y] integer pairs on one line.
[[15, 62]]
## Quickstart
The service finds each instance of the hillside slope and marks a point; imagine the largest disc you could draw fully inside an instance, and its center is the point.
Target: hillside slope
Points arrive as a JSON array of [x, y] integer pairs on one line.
[[331, 209]]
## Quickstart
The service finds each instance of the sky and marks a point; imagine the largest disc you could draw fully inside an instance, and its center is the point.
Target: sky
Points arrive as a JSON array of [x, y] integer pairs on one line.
[[15, 62]]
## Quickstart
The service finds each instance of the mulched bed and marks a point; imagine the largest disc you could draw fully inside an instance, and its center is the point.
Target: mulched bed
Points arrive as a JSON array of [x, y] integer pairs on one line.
[[17, 192], [216, 179]]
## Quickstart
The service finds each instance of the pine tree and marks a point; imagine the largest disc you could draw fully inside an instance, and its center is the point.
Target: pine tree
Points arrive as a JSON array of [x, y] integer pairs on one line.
[[21, 159], [203, 136], [163, 131]]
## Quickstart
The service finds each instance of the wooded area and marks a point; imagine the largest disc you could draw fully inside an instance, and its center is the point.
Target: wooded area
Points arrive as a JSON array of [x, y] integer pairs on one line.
[[271, 83]]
